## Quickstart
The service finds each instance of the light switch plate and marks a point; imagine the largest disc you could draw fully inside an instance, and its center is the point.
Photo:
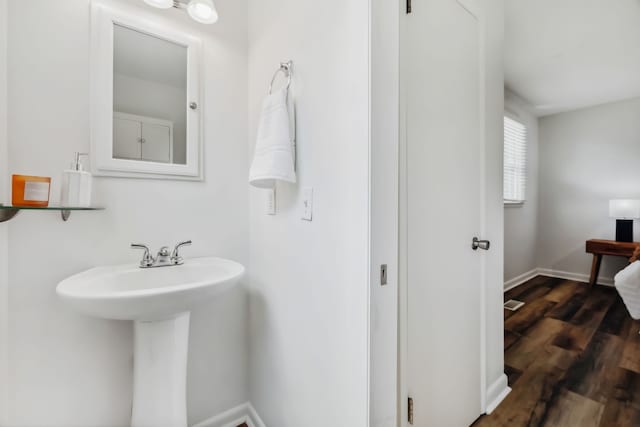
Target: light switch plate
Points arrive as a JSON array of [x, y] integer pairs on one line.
[[270, 201], [307, 204]]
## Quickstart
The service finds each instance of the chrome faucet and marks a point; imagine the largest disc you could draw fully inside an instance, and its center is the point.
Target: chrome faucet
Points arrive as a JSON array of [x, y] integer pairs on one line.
[[147, 259], [175, 255], [163, 258]]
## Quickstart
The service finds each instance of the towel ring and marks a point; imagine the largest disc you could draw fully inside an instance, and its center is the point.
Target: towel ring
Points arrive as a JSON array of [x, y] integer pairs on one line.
[[285, 68]]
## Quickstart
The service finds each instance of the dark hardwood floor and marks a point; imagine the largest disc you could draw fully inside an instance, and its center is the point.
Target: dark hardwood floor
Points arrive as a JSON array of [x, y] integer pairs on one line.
[[572, 355]]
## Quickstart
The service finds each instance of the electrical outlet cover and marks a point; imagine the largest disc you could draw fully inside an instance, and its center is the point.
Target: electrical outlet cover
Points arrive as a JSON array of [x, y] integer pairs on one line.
[[307, 204], [271, 201]]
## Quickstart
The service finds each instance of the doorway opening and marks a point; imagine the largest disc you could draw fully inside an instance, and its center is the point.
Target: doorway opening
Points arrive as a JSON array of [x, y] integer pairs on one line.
[[572, 102]]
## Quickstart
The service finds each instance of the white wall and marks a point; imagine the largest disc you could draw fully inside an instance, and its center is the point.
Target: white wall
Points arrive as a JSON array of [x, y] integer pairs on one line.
[[521, 221], [68, 369], [152, 99], [309, 288], [4, 196], [587, 157]]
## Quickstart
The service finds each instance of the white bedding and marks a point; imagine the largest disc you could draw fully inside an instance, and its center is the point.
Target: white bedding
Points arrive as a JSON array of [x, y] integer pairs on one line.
[[627, 282]]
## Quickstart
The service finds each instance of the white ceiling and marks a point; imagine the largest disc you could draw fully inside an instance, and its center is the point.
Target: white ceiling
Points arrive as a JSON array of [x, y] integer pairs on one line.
[[561, 55], [149, 58]]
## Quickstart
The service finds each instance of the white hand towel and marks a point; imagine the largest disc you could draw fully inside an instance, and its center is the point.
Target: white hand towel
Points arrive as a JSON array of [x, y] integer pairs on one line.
[[274, 154]]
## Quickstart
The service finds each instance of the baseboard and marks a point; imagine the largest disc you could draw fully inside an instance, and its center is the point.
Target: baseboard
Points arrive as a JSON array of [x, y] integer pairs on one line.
[[519, 280], [496, 393], [254, 417], [579, 277], [244, 413]]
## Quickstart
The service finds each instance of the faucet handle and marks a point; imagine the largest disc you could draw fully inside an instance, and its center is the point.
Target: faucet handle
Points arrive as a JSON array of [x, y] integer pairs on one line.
[[176, 259], [147, 259]]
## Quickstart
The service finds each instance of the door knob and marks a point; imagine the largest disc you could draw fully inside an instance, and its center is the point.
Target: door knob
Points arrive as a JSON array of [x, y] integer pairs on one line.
[[481, 244]]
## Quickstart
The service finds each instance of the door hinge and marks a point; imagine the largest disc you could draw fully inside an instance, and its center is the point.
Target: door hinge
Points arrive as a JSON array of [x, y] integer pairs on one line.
[[410, 411], [408, 6]]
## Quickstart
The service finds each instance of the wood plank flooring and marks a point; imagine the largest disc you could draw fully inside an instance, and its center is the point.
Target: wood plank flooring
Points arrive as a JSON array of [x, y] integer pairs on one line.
[[572, 356]]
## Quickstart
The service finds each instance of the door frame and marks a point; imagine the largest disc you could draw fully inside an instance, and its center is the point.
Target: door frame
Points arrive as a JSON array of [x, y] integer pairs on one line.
[[386, 344], [473, 7]]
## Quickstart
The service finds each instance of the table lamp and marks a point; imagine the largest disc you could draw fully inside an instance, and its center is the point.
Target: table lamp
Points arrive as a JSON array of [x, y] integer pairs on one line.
[[624, 211]]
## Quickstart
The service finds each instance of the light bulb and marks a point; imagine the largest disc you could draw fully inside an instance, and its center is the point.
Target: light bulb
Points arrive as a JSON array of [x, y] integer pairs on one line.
[[162, 4], [202, 11]]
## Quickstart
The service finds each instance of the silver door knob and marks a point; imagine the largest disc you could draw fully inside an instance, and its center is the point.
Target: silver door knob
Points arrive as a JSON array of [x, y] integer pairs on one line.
[[480, 244]]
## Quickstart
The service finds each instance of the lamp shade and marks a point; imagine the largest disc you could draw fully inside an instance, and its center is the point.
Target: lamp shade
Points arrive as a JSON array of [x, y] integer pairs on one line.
[[624, 208]]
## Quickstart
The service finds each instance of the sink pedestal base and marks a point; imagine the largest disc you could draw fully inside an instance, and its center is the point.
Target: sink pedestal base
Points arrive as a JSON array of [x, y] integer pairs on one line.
[[160, 372]]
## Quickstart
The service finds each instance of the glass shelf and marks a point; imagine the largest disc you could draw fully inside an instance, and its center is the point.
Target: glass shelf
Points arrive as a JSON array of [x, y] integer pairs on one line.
[[8, 211]]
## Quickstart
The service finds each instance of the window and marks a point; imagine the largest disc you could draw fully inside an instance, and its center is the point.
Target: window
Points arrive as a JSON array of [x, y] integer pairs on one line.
[[515, 161]]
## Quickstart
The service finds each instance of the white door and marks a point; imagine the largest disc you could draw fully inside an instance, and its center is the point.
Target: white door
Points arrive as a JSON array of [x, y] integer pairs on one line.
[[126, 139], [156, 143], [444, 188]]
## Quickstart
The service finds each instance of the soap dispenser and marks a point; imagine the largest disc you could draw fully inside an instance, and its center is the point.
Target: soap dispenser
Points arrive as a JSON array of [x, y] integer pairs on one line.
[[76, 185]]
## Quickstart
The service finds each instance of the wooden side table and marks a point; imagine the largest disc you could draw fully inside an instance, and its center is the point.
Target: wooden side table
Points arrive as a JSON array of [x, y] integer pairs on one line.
[[599, 248]]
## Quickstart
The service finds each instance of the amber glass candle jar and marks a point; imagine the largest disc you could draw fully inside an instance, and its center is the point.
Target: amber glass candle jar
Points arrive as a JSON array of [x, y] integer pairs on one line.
[[30, 190]]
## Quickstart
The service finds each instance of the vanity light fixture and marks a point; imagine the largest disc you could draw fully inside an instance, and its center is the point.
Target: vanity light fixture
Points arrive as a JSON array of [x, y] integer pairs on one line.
[[161, 4], [202, 11]]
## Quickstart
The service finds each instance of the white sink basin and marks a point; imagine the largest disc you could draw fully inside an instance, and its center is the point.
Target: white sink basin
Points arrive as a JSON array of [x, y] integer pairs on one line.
[[128, 292], [158, 300]]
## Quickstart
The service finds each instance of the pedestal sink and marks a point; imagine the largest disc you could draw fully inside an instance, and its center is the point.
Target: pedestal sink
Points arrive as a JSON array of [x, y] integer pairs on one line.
[[158, 300]]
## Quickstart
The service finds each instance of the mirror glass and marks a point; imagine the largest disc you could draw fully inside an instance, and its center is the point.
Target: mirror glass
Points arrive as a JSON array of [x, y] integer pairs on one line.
[[149, 98]]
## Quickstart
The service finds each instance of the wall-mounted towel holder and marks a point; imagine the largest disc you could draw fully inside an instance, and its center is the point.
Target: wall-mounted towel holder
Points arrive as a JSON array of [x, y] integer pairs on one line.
[[285, 68]]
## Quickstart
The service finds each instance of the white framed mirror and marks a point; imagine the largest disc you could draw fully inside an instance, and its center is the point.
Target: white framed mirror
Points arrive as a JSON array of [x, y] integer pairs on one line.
[[146, 108]]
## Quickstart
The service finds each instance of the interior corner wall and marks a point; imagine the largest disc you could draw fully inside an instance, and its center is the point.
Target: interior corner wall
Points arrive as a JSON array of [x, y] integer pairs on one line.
[[68, 369], [587, 157], [309, 279], [521, 221], [3, 226]]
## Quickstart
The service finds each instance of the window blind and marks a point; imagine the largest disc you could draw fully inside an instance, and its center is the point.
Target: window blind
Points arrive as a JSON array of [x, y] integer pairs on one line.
[[515, 161]]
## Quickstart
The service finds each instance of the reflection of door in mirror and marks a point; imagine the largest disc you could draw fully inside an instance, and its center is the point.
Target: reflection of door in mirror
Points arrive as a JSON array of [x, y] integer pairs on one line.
[[149, 98]]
